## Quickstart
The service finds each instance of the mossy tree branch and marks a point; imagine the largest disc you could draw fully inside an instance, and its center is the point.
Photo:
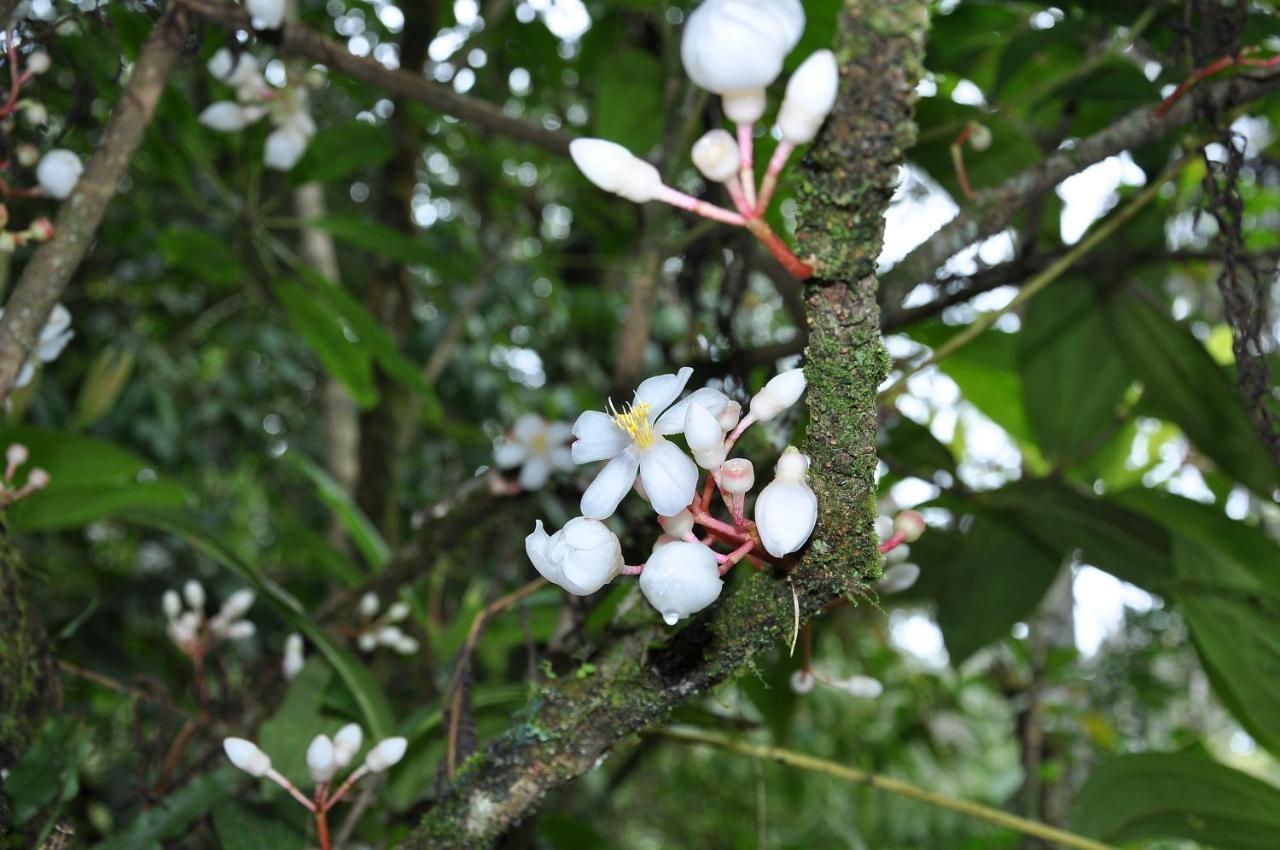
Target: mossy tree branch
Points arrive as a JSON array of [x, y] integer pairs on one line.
[[643, 672], [29, 684]]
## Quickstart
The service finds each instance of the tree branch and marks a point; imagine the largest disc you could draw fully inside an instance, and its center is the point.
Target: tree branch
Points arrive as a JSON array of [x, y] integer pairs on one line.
[[643, 670], [299, 41], [47, 273], [992, 210]]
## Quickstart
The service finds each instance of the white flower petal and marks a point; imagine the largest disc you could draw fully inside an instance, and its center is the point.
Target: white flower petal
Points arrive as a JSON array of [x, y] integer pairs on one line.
[[535, 546], [659, 391], [672, 422], [598, 438], [535, 472], [561, 458], [669, 477], [786, 513], [509, 455], [528, 427], [611, 485], [558, 433], [680, 579]]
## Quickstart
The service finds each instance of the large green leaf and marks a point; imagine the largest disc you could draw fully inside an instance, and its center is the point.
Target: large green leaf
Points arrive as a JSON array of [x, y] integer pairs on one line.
[[173, 815], [324, 333], [287, 733], [242, 827], [1162, 795], [49, 772], [362, 531], [1183, 384]]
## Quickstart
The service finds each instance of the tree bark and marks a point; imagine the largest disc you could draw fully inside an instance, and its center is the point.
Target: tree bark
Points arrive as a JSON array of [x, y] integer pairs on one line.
[[643, 670]]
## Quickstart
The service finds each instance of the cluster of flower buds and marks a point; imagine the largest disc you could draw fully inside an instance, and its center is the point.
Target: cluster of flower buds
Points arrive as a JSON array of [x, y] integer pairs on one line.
[[294, 658], [194, 633], [683, 574], [287, 107], [537, 447], [53, 338], [381, 629], [733, 48], [806, 679], [37, 479], [57, 172], [326, 757], [895, 534]]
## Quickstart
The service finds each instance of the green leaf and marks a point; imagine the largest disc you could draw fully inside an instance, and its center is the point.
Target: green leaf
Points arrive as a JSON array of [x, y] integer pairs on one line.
[[242, 827], [1183, 384], [106, 379], [362, 531], [49, 772], [173, 815], [339, 151], [1162, 795], [379, 239], [200, 254], [325, 334], [628, 99], [1073, 376], [287, 733]]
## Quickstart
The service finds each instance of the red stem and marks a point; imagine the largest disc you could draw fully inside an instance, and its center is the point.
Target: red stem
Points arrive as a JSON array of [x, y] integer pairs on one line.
[[893, 542], [796, 267], [322, 829]]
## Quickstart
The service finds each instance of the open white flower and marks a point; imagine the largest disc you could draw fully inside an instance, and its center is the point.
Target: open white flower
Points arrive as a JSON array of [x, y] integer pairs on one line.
[[681, 579], [53, 338], [634, 440], [582, 557], [538, 447], [58, 172], [787, 510], [285, 146]]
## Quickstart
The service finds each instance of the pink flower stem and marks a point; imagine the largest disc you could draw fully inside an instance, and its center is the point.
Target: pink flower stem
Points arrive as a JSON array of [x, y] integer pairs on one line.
[[735, 556], [738, 507], [346, 786], [722, 528], [747, 173], [777, 162], [893, 542], [687, 202], [743, 424], [284, 783], [628, 570], [734, 186]]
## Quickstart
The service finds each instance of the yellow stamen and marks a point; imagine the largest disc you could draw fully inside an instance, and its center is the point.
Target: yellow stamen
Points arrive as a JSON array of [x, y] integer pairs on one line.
[[634, 420]]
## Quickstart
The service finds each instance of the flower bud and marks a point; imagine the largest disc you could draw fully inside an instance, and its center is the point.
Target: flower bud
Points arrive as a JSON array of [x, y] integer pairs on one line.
[[369, 605], [241, 630], [17, 454], [884, 527], [582, 557], [36, 114], [737, 476], [803, 681], [897, 554], [225, 116], [265, 14], [739, 45], [390, 635], [811, 94], [701, 430], [862, 687], [910, 524], [58, 172], [38, 62], [38, 479], [406, 645], [246, 756], [284, 148], [681, 579], [730, 416], [782, 391], [320, 759], [294, 660], [979, 137], [221, 64], [615, 169], [712, 458], [398, 612], [236, 605], [171, 604], [898, 578], [41, 230], [385, 754], [367, 642], [346, 744], [679, 525], [662, 540], [28, 154], [716, 156], [787, 510], [193, 592]]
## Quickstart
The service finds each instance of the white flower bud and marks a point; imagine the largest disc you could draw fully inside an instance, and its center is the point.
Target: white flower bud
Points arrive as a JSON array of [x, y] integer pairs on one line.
[[385, 754], [225, 116], [582, 557], [246, 756], [679, 525], [406, 645], [743, 106], [390, 635], [910, 524], [980, 137], [716, 156], [737, 476], [241, 630], [38, 479], [36, 114], [193, 592], [803, 681], [681, 579], [172, 604], [884, 527], [897, 554], [787, 510], [736, 45], [898, 578], [320, 759], [780, 393], [398, 612], [367, 642], [38, 62], [237, 605], [663, 540], [284, 148], [58, 172], [221, 64], [369, 605], [615, 169], [28, 154], [294, 660], [701, 430], [730, 416], [811, 94], [346, 744], [862, 687], [17, 454], [266, 14], [713, 458]]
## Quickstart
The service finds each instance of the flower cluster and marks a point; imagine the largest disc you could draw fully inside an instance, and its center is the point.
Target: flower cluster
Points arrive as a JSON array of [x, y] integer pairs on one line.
[[380, 629], [286, 107], [194, 633], [895, 534], [537, 447], [53, 338], [733, 48], [37, 479], [683, 573], [326, 757]]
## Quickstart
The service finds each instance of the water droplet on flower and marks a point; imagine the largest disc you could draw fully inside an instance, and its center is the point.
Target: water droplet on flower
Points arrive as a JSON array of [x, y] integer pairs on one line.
[[671, 617]]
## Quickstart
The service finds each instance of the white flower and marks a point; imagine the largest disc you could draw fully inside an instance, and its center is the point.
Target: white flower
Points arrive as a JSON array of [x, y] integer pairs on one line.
[[897, 554], [884, 526], [634, 440], [398, 612], [294, 660], [898, 578], [811, 93], [735, 48], [58, 172], [246, 756], [802, 681], [367, 642], [227, 116], [737, 476], [615, 169], [681, 579], [236, 605], [677, 526], [346, 744], [221, 64], [285, 146], [39, 62], [716, 155], [172, 604], [320, 760], [240, 630], [782, 391], [705, 438], [55, 335], [730, 416], [266, 14], [787, 510], [369, 605], [193, 592], [582, 557], [862, 687], [910, 524], [538, 447], [385, 754], [406, 645], [390, 635]]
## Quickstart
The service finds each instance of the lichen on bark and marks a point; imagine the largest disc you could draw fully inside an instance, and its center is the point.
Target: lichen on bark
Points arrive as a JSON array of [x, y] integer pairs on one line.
[[643, 671]]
